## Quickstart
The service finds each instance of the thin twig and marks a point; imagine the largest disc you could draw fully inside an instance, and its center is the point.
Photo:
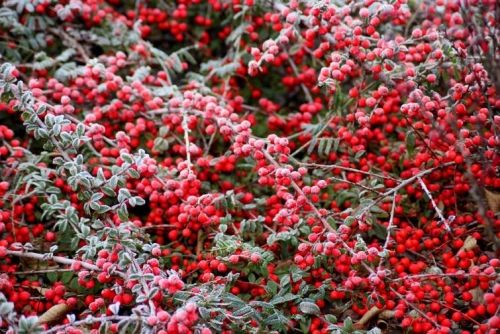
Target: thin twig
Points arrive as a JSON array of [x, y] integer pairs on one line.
[[355, 184], [402, 185], [59, 259], [307, 93], [389, 228], [349, 169], [150, 227], [317, 213], [73, 43], [438, 211], [92, 320], [185, 127], [414, 307], [426, 276], [44, 271]]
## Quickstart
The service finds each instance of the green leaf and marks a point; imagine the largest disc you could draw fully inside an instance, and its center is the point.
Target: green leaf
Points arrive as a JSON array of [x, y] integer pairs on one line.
[[108, 191], [133, 173], [359, 154], [127, 158], [379, 230], [276, 320], [331, 318], [321, 146], [74, 242], [272, 287], [348, 325], [66, 277], [309, 308], [123, 213], [410, 142], [204, 312], [328, 147], [227, 69], [52, 276], [314, 141], [53, 190], [283, 299], [244, 311]]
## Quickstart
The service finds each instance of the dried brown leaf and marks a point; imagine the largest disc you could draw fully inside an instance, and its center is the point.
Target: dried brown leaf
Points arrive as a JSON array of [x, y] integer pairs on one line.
[[54, 313], [493, 200], [477, 295], [469, 244], [361, 323]]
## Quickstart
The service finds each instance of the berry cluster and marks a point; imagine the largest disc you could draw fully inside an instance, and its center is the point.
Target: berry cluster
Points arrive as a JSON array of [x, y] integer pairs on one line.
[[249, 166]]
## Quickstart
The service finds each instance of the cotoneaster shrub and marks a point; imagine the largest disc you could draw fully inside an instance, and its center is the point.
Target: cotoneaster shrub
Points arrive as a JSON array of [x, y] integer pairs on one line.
[[249, 166]]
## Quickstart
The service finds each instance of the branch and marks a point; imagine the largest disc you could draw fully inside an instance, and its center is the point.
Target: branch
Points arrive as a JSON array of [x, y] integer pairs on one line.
[[317, 213], [415, 307], [349, 169], [59, 259], [185, 127], [438, 211], [304, 88], [389, 227], [355, 184], [403, 184], [425, 276], [73, 43], [91, 320]]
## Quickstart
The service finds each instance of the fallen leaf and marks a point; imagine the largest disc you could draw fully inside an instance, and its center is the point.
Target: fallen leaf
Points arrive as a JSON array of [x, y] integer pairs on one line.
[[493, 200], [469, 244], [477, 295], [361, 323], [54, 313]]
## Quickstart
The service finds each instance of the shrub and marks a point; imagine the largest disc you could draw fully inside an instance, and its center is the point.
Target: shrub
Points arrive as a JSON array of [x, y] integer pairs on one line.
[[249, 166]]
